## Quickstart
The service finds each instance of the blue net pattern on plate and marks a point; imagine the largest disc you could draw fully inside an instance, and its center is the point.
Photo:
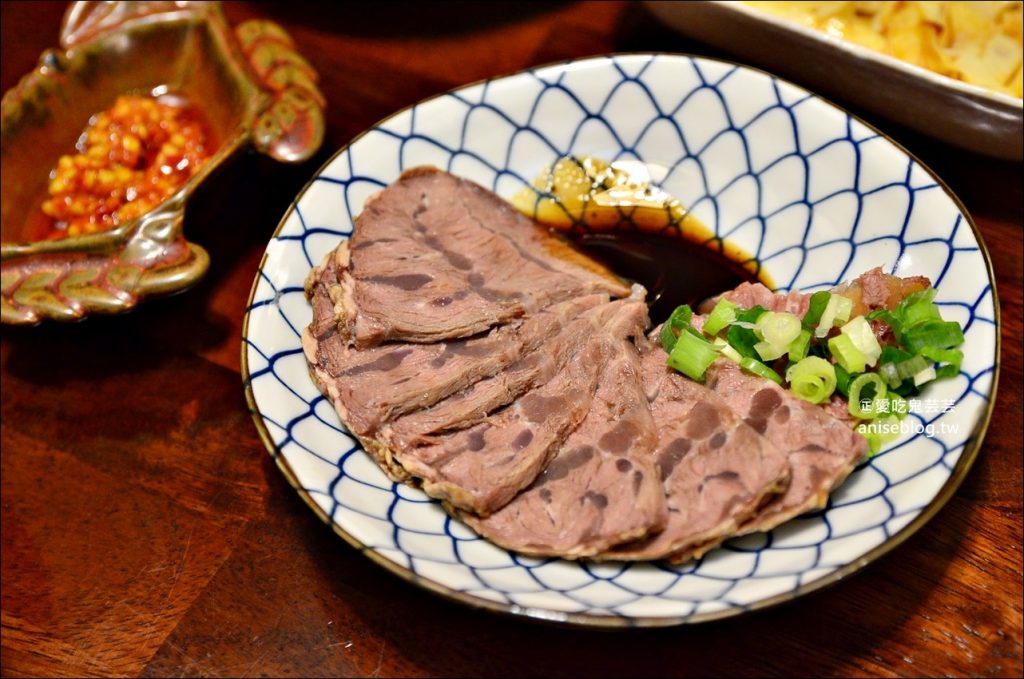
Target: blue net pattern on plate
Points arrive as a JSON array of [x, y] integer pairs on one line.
[[814, 195]]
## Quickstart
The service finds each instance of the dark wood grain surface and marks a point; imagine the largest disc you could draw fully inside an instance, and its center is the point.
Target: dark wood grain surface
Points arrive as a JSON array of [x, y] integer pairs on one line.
[[145, 530]]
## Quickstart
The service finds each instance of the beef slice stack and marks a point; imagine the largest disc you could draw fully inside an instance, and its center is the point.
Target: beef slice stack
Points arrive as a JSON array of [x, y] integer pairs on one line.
[[477, 356]]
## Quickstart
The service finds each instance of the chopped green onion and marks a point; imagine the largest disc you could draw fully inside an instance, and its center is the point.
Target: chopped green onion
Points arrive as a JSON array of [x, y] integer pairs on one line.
[[750, 315], [879, 432], [891, 354], [743, 338], [778, 327], [692, 356], [911, 366], [952, 357], [863, 404], [798, 347], [768, 351], [819, 301], [921, 312], [863, 337], [934, 335], [847, 354], [890, 319], [722, 315], [926, 375], [890, 374], [668, 338], [905, 389], [927, 295], [842, 380], [844, 307], [727, 349], [676, 323], [812, 379], [836, 312], [754, 366]]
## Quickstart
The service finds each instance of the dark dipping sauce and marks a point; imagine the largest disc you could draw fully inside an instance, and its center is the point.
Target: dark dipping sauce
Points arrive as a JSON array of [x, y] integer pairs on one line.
[[674, 270]]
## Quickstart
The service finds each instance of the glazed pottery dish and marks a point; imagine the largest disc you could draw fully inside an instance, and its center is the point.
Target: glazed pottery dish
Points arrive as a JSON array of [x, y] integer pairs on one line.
[[249, 85], [813, 194]]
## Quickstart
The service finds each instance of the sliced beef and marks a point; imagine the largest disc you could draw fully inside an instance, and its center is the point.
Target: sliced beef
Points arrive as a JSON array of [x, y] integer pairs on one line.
[[372, 386], [872, 290], [321, 281], [822, 448], [748, 295], [531, 370], [436, 257], [715, 469], [602, 488], [876, 289], [480, 469]]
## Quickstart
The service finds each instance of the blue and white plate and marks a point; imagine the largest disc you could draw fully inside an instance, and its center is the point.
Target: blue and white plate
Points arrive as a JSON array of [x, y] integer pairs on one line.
[[819, 197]]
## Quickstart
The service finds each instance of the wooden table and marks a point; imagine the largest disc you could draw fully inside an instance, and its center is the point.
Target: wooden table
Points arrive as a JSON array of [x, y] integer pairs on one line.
[[147, 532]]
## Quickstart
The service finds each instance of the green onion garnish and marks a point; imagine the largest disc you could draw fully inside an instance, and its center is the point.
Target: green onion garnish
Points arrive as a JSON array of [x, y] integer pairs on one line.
[[817, 367], [819, 301], [768, 351], [879, 432], [920, 312], [741, 338], [847, 354], [836, 312], [798, 347], [911, 366], [726, 349], [842, 380], [951, 357], [812, 379], [754, 366], [926, 295], [863, 337], [890, 374], [692, 356], [867, 393], [778, 327], [722, 315], [676, 323], [933, 335], [890, 319]]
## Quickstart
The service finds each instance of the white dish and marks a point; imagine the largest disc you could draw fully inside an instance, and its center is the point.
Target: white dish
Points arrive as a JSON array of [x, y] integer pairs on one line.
[[817, 195], [965, 115]]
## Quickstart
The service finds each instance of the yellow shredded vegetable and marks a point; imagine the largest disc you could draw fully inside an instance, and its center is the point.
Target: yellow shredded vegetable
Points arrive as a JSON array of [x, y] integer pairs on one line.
[[977, 42]]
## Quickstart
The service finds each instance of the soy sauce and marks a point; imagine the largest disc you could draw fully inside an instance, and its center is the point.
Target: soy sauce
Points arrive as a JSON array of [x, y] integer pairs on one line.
[[674, 270]]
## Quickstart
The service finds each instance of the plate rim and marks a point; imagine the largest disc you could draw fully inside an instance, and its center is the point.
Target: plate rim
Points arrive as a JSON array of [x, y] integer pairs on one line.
[[590, 620]]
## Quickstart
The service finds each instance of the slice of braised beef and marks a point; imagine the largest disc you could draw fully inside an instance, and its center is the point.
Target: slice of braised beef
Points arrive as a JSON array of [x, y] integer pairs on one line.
[[370, 387], [715, 469], [822, 449], [480, 469], [602, 488], [435, 257], [531, 370]]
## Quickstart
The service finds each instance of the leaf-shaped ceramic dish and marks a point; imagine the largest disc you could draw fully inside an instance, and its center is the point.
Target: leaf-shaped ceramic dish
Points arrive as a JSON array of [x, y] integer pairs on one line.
[[253, 88], [815, 194]]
